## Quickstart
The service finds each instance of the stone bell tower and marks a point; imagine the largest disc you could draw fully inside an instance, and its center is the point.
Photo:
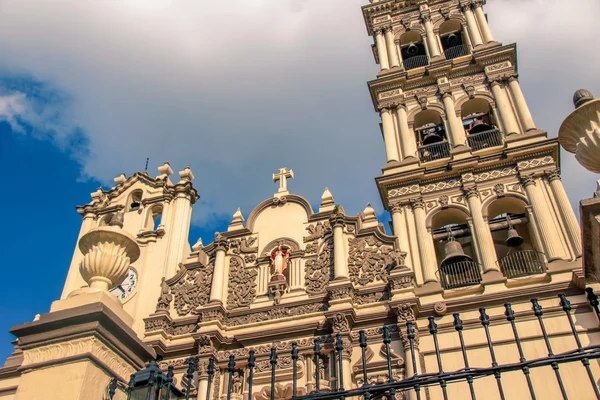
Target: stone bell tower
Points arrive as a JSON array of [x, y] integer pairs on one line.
[[465, 162]]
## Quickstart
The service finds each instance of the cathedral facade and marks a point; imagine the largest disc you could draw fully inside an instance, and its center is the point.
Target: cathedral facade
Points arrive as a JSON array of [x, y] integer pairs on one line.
[[479, 217]]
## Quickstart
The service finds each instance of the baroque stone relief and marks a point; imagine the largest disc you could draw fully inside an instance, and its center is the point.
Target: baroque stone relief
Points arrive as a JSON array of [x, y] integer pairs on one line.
[[370, 260], [191, 288], [318, 270], [242, 284], [244, 247]]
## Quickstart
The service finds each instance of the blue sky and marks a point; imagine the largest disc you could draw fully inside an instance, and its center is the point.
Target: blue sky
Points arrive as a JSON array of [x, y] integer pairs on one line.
[[90, 89]]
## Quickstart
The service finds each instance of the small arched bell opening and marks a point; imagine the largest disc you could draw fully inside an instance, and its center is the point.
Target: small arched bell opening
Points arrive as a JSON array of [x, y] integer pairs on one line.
[[412, 50], [454, 248], [154, 218], [480, 124], [432, 140], [518, 256], [135, 200], [453, 40]]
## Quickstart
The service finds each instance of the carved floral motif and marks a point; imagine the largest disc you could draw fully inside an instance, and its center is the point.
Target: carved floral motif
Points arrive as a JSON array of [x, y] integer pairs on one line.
[[193, 290], [370, 260], [318, 270], [276, 313], [242, 284], [317, 231]]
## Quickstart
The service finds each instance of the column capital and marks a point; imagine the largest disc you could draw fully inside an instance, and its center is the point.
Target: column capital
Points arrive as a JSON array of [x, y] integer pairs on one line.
[[386, 29], [528, 180], [395, 208], [471, 191], [401, 105], [220, 242], [553, 175], [513, 77], [495, 80], [466, 5], [378, 31], [447, 92], [384, 109], [417, 203], [476, 3]]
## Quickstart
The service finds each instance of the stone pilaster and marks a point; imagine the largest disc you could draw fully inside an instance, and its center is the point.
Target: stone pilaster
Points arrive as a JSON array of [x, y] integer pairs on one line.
[[504, 108], [389, 135], [391, 47], [381, 49], [457, 131], [217, 289], [485, 242], [566, 212], [471, 25], [426, 249], [520, 104]]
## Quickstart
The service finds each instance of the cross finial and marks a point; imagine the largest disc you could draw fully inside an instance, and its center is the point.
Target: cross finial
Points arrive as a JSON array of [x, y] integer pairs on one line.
[[282, 177]]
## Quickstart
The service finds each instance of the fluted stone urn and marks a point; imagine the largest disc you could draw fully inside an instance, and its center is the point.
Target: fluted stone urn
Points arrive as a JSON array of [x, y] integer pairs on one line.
[[580, 131], [107, 253]]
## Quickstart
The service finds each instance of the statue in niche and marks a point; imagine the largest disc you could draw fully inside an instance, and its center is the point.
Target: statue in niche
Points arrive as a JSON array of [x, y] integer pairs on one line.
[[236, 380], [279, 262]]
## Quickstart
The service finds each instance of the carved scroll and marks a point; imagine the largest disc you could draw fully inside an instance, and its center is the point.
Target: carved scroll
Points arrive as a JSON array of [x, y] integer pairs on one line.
[[192, 290], [370, 260], [242, 284], [318, 270]]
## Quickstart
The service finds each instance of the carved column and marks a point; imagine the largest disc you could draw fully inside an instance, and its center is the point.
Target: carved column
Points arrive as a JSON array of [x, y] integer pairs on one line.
[[202, 380], [505, 110], [381, 50], [406, 314], [472, 25], [426, 249], [457, 132], [434, 50], [520, 104], [485, 242], [391, 47], [180, 214], [340, 266], [408, 144], [389, 135], [347, 363], [566, 212], [414, 243], [482, 22], [401, 231], [543, 218], [217, 287]]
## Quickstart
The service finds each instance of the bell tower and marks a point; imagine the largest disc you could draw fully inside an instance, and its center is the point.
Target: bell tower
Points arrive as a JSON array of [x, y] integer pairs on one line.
[[472, 185]]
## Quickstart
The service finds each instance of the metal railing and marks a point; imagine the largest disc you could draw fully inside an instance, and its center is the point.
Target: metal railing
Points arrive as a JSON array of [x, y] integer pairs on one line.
[[485, 139], [522, 263], [415, 62], [457, 51], [334, 345], [434, 151], [459, 274]]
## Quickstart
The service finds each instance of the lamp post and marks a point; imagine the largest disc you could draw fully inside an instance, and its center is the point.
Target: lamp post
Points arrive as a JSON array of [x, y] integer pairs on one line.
[[151, 383]]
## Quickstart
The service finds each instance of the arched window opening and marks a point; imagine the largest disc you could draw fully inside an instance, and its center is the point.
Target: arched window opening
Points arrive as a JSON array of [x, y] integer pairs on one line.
[[135, 200], [453, 40], [412, 49], [513, 236], [480, 125], [154, 217], [454, 248], [432, 140]]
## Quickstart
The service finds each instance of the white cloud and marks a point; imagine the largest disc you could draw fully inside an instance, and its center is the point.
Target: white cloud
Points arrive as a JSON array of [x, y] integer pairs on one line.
[[237, 89], [12, 106]]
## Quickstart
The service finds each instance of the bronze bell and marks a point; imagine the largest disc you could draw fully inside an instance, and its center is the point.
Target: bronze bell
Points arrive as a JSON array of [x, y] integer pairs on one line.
[[513, 239], [454, 253]]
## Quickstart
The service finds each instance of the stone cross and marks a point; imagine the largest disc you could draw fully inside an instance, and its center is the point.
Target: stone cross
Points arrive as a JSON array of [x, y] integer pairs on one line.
[[282, 177]]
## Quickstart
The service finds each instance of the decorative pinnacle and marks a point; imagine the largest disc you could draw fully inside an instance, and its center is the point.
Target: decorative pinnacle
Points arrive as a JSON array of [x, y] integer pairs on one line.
[[581, 97], [327, 203]]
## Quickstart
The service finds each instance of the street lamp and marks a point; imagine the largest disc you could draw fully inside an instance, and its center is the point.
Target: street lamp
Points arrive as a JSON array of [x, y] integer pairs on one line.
[[151, 384]]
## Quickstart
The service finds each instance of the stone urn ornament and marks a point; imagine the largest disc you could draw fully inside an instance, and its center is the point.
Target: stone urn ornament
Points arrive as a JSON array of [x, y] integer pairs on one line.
[[580, 131], [107, 252]]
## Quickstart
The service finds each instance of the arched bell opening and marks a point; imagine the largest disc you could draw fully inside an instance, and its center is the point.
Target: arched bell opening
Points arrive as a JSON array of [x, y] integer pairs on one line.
[[513, 237], [412, 50], [134, 202], [432, 140], [455, 251], [480, 124], [453, 40], [154, 218]]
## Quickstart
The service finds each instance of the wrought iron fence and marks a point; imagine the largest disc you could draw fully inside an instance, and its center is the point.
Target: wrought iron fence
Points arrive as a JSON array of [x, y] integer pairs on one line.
[[522, 263], [459, 274], [457, 51], [434, 151], [485, 139], [415, 62], [415, 381]]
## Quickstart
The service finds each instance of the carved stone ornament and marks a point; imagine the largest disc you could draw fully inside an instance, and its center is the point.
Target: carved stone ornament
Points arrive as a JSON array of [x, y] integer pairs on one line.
[[405, 313], [443, 201], [164, 301], [422, 100], [220, 242], [370, 260], [401, 281], [417, 203], [440, 308], [192, 290], [341, 292], [281, 392], [162, 324], [340, 323], [499, 190], [276, 313], [317, 231], [242, 284], [243, 245], [318, 270], [277, 289], [470, 89], [395, 208], [553, 175], [372, 297], [279, 201]]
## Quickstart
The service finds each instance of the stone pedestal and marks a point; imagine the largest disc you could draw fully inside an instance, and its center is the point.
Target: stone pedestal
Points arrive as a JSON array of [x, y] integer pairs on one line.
[[277, 287], [74, 352]]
